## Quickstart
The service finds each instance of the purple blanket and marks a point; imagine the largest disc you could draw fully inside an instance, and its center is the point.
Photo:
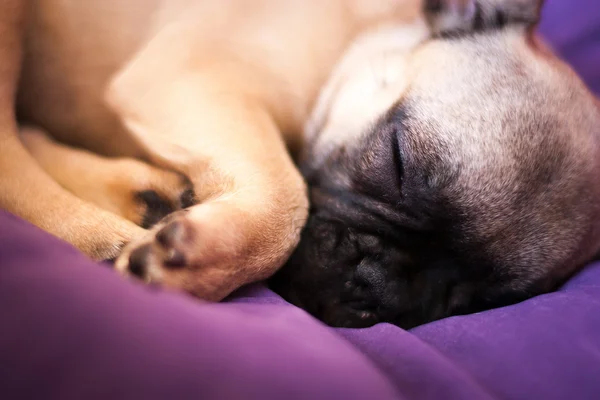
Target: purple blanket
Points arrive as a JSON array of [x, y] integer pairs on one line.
[[70, 329]]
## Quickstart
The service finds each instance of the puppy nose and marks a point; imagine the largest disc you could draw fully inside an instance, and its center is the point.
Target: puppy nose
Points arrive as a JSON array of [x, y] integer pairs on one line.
[[138, 261], [372, 276]]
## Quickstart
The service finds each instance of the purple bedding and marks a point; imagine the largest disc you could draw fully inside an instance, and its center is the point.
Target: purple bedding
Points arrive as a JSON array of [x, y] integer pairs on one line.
[[70, 329]]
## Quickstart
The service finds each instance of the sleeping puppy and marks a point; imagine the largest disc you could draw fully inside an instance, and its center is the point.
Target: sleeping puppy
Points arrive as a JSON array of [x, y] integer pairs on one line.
[[450, 172], [449, 155]]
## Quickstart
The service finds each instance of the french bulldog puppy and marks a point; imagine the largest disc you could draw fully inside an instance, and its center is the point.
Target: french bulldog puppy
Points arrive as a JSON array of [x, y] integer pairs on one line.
[[449, 155], [451, 170]]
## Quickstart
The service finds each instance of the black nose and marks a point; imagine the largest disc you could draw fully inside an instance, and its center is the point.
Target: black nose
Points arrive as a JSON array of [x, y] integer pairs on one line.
[[138, 261], [372, 276]]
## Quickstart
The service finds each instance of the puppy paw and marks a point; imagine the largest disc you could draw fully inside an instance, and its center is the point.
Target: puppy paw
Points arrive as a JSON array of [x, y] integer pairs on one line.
[[137, 191], [455, 17], [210, 249]]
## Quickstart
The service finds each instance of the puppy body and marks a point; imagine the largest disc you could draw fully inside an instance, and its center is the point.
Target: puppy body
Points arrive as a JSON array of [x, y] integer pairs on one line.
[[212, 91]]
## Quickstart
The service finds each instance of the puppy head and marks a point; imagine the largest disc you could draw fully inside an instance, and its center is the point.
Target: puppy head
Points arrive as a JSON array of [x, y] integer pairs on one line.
[[451, 169]]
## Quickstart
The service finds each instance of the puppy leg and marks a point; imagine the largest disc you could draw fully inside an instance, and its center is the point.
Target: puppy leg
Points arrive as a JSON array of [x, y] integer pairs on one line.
[[207, 124], [25, 189], [132, 189], [252, 208]]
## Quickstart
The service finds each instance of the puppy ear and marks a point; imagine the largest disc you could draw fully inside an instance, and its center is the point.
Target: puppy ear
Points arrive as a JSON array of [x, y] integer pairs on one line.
[[455, 17]]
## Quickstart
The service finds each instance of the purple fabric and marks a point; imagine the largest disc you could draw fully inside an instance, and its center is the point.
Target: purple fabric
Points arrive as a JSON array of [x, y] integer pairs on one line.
[[572, 28], [70, 329]]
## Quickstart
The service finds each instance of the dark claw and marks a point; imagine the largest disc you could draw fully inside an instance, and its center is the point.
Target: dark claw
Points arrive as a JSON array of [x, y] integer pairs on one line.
[[138, 261], [187, 198], [170, 234]]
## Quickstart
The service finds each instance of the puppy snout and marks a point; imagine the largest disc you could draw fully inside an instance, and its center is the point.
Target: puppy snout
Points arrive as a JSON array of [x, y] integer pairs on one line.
[[370, 275]]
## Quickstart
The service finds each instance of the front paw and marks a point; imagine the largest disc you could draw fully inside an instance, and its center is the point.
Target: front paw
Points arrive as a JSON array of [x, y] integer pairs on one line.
[[212, 249]]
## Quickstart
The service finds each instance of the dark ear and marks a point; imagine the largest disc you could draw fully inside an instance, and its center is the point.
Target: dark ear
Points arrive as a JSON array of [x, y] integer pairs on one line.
[[457, 17]]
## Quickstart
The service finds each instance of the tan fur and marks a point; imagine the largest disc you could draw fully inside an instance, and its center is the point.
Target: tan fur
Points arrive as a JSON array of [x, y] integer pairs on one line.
[[217, 91]]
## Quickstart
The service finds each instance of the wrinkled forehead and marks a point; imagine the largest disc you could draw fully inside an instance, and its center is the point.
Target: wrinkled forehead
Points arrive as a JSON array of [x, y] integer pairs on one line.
[[480, 75], [487, 96], [431, 71]]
